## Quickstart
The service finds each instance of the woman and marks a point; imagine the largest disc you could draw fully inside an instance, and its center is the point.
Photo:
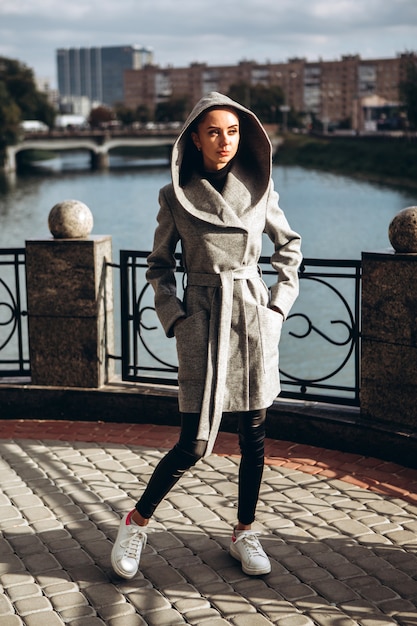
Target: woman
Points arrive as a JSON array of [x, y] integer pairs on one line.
[[227, 327]]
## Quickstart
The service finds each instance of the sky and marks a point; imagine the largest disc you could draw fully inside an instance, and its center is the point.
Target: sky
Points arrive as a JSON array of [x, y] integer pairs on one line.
[[219, 32]]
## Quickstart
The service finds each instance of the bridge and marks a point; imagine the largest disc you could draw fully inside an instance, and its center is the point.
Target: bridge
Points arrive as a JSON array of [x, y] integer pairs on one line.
[[98, 143]]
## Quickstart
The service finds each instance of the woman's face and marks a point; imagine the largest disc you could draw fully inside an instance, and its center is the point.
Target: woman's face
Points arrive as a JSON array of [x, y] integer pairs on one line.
[[217, 137]]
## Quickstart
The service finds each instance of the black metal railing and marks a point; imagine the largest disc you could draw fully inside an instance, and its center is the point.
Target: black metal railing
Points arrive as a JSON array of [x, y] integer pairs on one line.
[[319, 348], [320, 342], [14, 342]]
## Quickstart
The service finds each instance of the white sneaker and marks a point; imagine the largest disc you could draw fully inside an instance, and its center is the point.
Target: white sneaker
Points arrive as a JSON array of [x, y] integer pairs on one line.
[[246, 548], [130, 541]]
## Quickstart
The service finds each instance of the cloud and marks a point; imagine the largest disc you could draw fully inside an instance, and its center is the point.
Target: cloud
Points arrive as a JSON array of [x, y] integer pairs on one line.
[[216, 32]]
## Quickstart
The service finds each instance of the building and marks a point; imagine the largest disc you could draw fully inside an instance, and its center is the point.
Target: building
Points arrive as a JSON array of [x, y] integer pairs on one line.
[[97, 73], [350, 92], [152, 85]]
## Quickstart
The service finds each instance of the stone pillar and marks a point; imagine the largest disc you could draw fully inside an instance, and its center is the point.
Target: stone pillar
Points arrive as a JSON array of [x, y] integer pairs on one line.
[[389, 327], [100, 160], [70, 301], [10, 159]]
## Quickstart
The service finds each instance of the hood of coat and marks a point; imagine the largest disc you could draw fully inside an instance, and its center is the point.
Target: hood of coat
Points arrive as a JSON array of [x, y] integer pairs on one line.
[[250, 172]]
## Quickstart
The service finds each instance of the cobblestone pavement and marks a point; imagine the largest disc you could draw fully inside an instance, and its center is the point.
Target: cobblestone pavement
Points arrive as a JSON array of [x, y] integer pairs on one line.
[[340, 530]]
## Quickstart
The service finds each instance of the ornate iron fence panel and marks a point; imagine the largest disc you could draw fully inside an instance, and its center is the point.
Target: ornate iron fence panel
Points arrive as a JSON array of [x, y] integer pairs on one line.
[[319, 347], [14, 341]]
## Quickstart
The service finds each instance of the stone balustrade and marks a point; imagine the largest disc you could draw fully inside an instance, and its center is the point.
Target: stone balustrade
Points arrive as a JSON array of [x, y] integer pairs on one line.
[[70, 301], [389, 328]]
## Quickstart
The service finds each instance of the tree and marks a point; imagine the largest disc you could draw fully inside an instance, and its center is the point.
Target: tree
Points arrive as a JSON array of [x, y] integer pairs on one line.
[[265, 102], [408, 89], [128, 116], [125, 115], [20, 85], [171, 111], [100, 117], [142, 114], [9, 119], [19, 100]]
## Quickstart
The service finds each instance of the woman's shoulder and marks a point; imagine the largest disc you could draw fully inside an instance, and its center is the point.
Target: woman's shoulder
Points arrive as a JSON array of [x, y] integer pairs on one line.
[[167, 191], [166, 188]]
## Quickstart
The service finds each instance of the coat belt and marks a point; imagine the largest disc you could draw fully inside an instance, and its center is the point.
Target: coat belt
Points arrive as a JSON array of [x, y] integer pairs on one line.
[[202, 279], [215, 383]]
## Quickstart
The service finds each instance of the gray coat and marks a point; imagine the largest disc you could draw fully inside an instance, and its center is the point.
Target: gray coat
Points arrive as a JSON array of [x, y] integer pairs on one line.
[[228, 344]]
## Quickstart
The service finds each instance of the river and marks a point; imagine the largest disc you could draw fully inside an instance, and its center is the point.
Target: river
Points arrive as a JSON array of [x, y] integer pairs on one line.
[[338, 218]]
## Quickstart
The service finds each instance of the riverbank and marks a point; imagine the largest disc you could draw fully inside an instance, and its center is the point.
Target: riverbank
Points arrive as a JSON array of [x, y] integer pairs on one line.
[[391, 161]]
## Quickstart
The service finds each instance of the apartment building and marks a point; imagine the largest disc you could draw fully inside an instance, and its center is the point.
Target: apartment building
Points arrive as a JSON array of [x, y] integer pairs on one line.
[[352, 92]]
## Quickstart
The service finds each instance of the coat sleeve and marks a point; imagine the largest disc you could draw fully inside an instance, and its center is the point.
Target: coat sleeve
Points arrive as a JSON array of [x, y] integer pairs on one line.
[[287, 256], [161, 268]]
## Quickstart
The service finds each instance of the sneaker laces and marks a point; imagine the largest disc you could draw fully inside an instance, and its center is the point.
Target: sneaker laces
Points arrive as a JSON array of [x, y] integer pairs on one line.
[[134, 543], [251, 542]]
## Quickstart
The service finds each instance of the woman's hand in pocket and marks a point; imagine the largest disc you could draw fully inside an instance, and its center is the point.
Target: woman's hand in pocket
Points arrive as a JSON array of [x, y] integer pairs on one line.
[[277, 310]]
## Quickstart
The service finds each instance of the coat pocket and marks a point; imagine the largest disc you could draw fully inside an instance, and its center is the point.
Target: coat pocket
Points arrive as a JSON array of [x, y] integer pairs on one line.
[[192, 345], [270, 326]]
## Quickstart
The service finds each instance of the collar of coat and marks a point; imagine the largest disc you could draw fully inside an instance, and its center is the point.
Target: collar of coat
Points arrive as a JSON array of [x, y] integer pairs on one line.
[[233, 208]]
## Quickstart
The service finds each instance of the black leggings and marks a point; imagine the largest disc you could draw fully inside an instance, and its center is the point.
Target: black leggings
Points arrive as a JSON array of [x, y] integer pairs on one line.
[[188, 450]]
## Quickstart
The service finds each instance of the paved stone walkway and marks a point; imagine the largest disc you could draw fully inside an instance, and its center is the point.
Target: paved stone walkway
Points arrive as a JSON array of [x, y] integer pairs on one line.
[[340, 530]]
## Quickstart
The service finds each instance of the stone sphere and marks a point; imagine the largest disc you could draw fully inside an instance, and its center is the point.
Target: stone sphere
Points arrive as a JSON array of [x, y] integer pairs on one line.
[[402, 230], [70, 219]]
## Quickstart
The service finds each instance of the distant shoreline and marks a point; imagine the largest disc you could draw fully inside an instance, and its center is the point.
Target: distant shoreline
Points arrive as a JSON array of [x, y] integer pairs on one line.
[[391, 161]]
